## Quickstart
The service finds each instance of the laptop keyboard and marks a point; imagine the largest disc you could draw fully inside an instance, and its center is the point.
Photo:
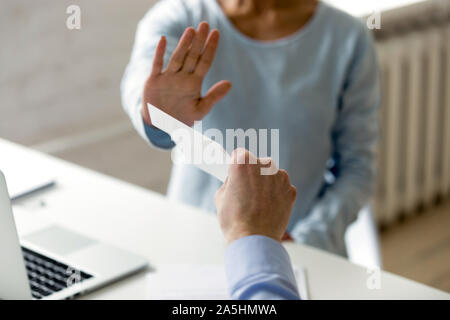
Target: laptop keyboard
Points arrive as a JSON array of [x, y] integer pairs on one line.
[[48, 276]]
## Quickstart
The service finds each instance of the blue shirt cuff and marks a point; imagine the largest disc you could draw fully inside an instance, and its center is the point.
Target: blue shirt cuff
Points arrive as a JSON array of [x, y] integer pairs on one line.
[[258, 267], [158, 137]]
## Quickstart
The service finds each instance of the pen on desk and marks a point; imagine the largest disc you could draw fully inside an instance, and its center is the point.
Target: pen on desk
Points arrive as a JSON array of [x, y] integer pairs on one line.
[[34, 190]]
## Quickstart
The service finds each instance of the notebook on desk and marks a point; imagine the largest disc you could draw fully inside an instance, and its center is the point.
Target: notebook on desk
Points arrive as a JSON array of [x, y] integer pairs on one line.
[[200, 282], [23, 180]]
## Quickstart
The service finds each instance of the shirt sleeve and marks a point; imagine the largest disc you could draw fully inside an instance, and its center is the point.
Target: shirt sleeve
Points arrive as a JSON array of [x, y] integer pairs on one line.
[[168, 18], [354, 137], [259, 268]]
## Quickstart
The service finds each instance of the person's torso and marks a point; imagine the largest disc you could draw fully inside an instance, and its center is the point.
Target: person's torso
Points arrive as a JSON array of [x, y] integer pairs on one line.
[[292, 84]]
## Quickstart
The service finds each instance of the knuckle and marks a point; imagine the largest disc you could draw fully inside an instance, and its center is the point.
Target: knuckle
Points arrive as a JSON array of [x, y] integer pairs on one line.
[[266, 161], [238, 168], [176, 60], [206, 61], [283, 175], [239, 156], [293, 192]]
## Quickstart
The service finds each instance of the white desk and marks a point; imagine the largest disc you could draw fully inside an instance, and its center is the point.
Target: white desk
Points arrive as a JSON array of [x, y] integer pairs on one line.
[[169, 233]]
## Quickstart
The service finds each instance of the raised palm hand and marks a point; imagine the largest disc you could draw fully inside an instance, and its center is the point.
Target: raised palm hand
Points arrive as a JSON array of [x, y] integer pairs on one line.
[[177, 89]]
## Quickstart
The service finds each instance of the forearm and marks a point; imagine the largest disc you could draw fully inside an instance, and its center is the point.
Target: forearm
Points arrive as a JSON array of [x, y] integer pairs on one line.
[[327, 221], [164, 18], [354, 138]]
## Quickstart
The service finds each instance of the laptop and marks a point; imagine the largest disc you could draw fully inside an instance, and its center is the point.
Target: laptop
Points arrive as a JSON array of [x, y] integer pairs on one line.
[[53, 262]]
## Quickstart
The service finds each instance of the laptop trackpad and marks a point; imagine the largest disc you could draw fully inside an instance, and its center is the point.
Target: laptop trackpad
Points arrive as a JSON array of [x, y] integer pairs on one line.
[[58, 240]]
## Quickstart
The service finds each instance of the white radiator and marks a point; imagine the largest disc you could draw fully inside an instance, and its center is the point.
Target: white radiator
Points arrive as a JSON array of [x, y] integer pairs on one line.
[[414, 151]]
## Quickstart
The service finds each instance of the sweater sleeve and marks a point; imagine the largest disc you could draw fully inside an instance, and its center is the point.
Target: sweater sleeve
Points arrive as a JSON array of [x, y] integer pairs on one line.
[[167, 18], [354, 137]]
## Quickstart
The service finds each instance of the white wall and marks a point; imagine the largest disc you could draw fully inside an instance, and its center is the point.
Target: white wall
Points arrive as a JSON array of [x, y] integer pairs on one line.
[[54, 81], [59, 89]]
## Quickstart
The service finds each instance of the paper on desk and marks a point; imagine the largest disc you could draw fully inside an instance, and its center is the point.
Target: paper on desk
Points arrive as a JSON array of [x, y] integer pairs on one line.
[[199, 282], [21, 178], [194, 146]]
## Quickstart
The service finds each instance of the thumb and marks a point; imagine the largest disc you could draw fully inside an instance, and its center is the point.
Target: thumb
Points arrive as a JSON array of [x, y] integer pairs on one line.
[[220, 191], [214, 95]]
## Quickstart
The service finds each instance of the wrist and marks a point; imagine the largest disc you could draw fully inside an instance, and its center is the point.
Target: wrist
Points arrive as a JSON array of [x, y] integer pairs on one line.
[[230, 238], [233, 236]]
